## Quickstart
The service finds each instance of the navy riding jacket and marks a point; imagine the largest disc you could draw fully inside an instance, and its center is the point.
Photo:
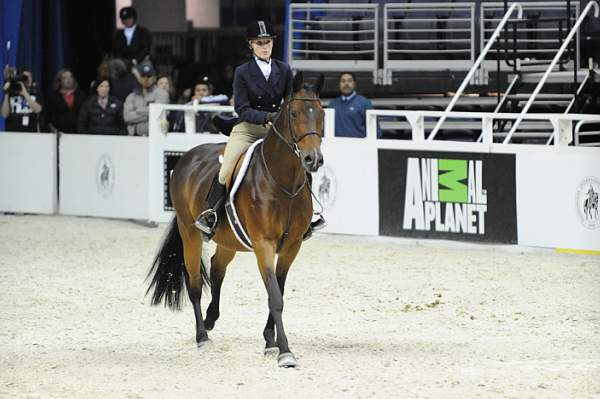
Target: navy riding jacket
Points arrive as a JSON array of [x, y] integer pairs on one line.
[[254, 96]]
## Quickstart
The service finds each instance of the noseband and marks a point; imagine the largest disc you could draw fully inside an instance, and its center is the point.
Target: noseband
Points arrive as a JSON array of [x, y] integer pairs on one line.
[[295, 139]]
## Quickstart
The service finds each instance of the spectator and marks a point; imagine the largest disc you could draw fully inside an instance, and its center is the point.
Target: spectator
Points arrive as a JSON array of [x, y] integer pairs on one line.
[[202, 95], [20, 107], [101, 113], [122, 80], [350, 108], [64, 102], [165, 83], [135, 110], [133, 42]]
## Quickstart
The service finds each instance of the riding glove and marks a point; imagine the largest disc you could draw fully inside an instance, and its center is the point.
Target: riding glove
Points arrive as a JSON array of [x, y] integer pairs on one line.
[[270, 117]]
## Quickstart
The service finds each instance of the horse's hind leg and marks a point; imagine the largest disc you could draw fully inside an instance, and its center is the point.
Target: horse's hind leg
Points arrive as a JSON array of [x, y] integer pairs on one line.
[[218, 267], [192, 253]]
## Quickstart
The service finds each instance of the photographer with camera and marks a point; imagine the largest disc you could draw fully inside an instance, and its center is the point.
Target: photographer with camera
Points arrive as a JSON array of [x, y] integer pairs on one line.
[[19, 106]]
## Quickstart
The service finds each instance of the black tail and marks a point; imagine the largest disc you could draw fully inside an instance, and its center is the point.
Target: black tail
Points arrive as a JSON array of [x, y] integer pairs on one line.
[[168, 270]]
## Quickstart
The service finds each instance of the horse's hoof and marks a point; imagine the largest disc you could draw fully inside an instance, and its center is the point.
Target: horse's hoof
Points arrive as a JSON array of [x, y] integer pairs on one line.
[[287, 360], [204, 343], [271, 351]]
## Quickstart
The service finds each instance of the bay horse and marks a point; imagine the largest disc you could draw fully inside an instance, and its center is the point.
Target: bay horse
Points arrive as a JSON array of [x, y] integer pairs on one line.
[[273, 203]]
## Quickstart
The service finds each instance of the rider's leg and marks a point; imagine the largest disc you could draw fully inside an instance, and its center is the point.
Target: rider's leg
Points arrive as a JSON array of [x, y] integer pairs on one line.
[[317, 224], [242, 136]]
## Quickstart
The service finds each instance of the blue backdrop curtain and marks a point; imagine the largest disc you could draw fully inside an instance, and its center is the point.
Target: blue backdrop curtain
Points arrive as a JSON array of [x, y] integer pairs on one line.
[[10, 16], [35, 29]]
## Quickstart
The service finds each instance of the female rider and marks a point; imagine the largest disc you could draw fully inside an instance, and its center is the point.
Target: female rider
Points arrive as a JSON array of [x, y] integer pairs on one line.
[[259, 87]]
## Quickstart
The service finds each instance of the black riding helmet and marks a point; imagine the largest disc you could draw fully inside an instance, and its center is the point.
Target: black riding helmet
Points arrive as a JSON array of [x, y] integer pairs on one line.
[[260, 30]]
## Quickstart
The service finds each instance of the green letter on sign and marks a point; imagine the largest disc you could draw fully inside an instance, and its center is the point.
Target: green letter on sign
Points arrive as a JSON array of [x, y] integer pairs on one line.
[[455, 171]]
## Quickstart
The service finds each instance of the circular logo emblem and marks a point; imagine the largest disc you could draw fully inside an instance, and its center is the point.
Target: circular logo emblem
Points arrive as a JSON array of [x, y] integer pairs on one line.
[[105, 175], [325, 186], [586, 202]]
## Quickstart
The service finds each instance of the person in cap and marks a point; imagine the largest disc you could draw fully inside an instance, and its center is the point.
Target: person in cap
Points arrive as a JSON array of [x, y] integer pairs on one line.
[[133, 42], [259, 87], [136, 108]]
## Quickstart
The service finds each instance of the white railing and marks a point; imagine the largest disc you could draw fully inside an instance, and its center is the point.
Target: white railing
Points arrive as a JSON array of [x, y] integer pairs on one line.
[[478, 62], [420, 122], [592, 4], [417, 36], [334, 37]]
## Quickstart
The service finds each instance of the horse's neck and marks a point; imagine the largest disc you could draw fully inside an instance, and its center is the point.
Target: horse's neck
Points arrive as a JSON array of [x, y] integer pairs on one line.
[[283, 164]]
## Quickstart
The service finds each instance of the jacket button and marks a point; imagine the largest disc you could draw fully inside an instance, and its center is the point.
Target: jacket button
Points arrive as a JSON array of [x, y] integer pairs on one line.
[[274, 105], [259, 97]]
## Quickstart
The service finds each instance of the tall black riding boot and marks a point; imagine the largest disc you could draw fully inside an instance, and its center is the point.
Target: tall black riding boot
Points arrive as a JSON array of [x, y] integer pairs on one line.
[[208, 220]]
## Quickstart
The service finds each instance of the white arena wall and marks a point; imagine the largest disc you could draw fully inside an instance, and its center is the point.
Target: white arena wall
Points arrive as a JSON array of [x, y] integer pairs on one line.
[[500, 193], [28, 173], [103, 176]]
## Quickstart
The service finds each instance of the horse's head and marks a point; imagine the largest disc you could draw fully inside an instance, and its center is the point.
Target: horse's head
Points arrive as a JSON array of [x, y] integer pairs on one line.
[[303, 116]]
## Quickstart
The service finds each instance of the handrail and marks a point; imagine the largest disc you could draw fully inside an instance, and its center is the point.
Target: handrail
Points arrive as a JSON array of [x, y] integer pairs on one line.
[[566, 43], [477, 63]]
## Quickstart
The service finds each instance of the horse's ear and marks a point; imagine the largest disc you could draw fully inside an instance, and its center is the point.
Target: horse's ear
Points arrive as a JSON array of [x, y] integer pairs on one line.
[[298, 79], [319, 84]]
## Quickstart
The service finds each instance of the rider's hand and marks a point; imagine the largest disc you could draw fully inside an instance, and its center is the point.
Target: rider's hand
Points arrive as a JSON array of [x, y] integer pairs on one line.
[[270, 117], [6, 86]]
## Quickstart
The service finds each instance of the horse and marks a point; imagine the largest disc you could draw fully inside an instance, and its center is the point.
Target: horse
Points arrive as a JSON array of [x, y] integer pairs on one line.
[[274, 204]]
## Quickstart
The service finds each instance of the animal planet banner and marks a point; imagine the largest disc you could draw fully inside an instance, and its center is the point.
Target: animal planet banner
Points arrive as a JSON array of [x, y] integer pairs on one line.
[[447, 195]]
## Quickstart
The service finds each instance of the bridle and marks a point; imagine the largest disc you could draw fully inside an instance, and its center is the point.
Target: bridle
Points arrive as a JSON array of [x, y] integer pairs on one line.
[[295, 139], [293, 145]]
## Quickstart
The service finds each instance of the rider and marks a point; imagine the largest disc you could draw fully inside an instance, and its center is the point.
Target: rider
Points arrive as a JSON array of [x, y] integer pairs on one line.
[[259, 87]]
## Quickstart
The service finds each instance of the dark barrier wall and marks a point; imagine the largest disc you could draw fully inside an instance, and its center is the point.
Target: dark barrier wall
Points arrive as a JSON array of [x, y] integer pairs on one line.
[[170, 159], [447, 195]]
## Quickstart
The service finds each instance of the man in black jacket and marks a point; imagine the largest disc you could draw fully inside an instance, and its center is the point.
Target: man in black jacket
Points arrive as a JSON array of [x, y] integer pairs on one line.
[[133, 42]]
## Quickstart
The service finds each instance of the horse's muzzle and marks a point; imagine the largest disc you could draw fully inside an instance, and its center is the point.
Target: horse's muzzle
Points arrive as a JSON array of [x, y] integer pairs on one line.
[[312, 160]]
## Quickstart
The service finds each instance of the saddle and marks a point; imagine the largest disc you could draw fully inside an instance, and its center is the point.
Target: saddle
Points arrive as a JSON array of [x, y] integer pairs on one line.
[[230, 209]]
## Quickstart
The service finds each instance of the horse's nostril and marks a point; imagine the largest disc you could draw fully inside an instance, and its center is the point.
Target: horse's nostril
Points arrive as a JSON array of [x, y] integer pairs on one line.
[[308, 159], [321, 161]]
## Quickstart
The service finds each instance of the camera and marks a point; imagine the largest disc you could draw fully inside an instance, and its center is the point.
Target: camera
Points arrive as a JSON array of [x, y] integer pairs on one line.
[[15, 79]]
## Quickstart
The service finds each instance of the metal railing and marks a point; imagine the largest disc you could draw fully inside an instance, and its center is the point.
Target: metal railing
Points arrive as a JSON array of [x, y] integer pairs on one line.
[[538, 35], [339, 36], [417, 36], [420, 124], [592, 4], [477, 63]]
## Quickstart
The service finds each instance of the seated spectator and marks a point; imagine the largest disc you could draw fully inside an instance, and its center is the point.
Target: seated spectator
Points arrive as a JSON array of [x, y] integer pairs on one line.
[[133, 42], [165, 83], [122, 80], [101, 113], [136, 108], [64, 102], [202, 95], [350, 108], [19, 106]]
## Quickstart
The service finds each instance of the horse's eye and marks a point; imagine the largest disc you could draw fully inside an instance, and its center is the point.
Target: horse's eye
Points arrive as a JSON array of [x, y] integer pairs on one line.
[[293, 114]]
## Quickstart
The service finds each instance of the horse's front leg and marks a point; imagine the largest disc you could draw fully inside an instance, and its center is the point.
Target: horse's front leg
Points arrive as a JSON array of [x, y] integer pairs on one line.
[[265, 255], [284, 261]]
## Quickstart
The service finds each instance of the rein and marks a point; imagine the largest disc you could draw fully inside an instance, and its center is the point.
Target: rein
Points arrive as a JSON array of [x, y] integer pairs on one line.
[[294, 148]]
